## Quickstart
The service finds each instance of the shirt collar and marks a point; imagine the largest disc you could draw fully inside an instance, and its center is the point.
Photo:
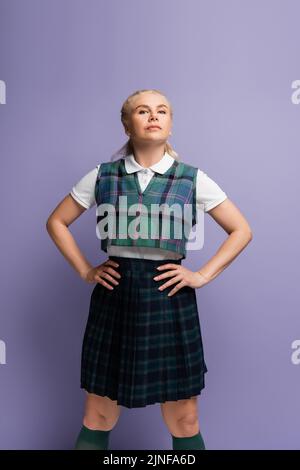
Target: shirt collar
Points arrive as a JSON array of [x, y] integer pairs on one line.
[[131, 165]]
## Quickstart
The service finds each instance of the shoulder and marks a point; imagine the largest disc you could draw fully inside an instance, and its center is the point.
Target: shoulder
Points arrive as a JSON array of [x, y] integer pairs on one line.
[[110, 167], [187, 165], [193, 169], [112, 162], [83, 189], [208, 191], [186, 169]]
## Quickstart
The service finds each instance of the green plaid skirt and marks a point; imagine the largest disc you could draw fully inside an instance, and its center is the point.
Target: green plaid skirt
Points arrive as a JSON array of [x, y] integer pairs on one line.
[[140, 346]]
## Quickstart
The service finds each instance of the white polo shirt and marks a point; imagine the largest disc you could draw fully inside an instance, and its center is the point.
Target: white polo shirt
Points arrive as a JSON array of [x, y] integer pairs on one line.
[[208, 195]]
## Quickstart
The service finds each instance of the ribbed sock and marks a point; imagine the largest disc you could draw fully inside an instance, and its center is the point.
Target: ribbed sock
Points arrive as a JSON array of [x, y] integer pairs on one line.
[[89, 439], [186, 443]]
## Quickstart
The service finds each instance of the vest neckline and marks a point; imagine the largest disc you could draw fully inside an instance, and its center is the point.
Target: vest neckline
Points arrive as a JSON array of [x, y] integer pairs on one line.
[[149, 185]]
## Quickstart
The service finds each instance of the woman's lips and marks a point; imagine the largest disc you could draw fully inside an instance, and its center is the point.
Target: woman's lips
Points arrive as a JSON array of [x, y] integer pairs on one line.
[[153, 128]]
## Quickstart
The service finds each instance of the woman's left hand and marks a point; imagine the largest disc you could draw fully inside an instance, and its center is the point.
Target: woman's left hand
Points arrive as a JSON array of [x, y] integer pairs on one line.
[[180, 275]]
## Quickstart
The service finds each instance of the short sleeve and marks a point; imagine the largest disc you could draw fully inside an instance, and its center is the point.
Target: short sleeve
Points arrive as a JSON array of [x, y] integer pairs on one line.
[[208, 192], [84, 190]]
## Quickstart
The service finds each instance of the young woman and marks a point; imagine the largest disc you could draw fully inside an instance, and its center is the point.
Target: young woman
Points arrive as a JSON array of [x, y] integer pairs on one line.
[[142, 343]]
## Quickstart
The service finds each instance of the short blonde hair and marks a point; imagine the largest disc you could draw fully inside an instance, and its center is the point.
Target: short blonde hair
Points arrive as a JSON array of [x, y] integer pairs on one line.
[[127, 148]]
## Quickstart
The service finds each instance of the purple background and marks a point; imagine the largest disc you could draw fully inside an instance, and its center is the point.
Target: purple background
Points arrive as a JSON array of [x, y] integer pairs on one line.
[[227, 67]]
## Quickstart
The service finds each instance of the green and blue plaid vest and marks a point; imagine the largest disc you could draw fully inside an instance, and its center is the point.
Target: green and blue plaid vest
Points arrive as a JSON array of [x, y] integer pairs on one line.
[[177, 186]]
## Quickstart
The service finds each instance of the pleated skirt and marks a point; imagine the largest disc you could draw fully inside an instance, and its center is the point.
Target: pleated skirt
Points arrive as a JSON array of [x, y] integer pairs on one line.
[[140, 346]]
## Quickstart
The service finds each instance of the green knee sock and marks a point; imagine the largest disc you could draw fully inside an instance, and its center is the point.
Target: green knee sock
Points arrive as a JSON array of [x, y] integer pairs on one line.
[[89, 439], [185, 443]]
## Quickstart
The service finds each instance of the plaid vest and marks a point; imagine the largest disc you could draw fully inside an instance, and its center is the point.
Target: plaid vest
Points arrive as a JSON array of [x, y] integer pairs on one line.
[[126, 216]]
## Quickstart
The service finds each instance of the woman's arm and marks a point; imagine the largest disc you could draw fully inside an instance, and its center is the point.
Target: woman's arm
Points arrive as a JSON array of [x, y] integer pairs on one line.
[[228, 216], [67, 211]]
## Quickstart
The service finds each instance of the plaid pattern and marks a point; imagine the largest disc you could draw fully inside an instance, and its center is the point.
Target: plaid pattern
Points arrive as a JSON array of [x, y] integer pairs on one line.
[[176, 186], [140, 346]]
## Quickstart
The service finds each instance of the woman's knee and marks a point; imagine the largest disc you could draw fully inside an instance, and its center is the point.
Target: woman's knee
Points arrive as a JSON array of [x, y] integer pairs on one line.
[[101, 413], [181, 417], [188, 423]]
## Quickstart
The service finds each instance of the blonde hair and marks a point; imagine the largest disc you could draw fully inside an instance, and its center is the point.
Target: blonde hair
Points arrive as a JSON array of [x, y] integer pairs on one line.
[[127, 148]]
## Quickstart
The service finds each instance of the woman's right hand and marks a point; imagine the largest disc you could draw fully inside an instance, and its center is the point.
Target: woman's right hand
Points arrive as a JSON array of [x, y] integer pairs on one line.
[[104, 270]]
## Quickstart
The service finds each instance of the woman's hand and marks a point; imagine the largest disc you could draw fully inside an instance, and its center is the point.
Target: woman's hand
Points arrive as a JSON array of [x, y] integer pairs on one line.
[[104, 270], [180, 275]]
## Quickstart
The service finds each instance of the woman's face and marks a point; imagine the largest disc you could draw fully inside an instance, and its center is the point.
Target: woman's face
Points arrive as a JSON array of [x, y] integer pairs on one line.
[[150, 109]]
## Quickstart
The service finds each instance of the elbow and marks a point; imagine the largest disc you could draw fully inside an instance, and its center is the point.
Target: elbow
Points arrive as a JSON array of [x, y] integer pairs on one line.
[[53, 222], [249, 235], [49, 224], [245, 234]]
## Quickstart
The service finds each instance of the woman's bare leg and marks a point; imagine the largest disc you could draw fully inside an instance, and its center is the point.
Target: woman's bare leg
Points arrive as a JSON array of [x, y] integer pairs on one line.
[[181, 417], [101, 413]]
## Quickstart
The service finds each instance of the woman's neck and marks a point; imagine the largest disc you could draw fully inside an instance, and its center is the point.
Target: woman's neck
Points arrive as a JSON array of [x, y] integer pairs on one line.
[[147, 156]]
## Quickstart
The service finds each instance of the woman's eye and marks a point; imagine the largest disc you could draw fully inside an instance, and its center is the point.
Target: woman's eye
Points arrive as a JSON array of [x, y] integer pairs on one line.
[[145, 111]]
